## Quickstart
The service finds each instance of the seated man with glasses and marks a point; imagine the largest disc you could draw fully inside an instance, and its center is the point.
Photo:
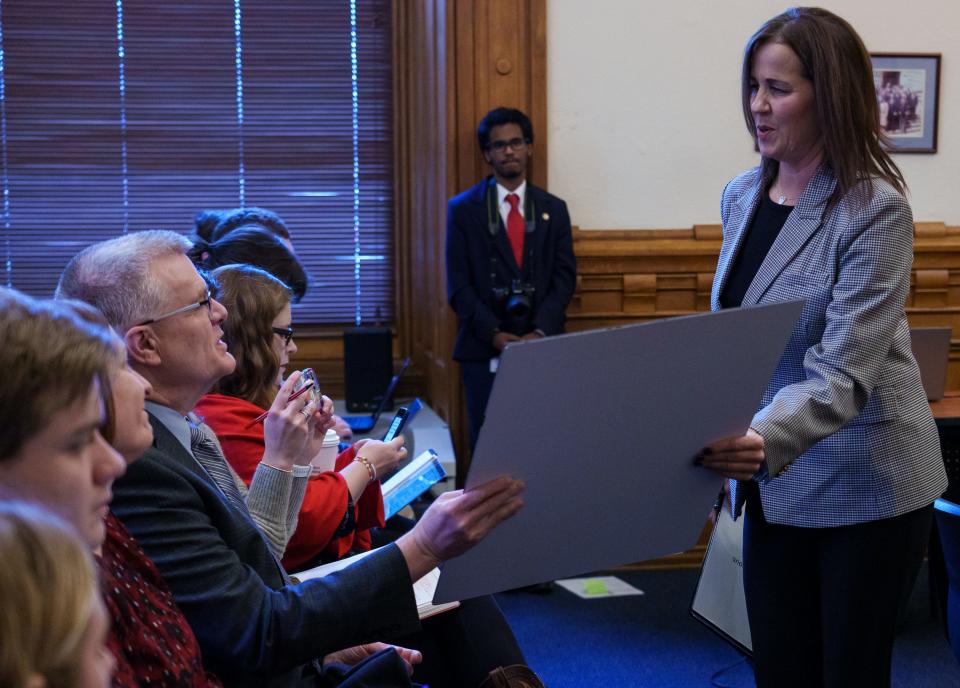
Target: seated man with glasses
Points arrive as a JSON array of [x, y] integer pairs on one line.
[[510, 265], [255, 627], [276, 491]]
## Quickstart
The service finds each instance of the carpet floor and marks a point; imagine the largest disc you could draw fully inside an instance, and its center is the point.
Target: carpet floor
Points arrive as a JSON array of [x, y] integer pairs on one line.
[[651, 640]]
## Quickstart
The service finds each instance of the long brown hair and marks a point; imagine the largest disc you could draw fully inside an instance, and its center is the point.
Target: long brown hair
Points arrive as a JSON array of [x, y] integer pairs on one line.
[[253, 298], [838, 65]]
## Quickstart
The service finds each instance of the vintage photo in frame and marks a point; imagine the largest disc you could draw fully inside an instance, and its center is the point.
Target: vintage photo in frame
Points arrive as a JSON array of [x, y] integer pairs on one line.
[[908, 93]]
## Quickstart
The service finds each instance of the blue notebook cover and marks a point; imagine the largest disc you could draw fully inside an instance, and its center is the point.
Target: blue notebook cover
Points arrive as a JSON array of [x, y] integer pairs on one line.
[[411, 481]]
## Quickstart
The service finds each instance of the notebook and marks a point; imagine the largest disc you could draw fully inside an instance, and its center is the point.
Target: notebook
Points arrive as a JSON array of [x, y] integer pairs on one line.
[[366, 423], [411, 481], [931, 348]]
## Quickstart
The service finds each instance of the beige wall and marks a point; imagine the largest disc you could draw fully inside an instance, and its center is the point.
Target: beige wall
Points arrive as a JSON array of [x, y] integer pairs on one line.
[[644, 114]]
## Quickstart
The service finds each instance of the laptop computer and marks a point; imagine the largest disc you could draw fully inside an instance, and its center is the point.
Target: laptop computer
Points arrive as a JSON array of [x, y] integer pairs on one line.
[[366, 423], [931, 348]]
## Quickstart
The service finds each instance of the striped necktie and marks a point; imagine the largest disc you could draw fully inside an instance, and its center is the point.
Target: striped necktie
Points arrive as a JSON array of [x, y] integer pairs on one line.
[[206, 452], [208, 455]]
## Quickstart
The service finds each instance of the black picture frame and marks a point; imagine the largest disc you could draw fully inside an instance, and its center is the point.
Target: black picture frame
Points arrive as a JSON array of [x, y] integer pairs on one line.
[[908, 93]]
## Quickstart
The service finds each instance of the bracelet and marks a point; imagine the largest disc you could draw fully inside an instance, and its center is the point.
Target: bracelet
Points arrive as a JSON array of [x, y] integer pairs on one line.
[[371, 469]]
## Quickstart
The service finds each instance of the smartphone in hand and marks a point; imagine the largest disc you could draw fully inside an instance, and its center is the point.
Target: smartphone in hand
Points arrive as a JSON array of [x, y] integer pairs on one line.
[[313, 388], [404, 415], [396, 425]]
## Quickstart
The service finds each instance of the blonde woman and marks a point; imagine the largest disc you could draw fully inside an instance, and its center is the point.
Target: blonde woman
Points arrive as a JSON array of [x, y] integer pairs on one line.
[[53, 628]]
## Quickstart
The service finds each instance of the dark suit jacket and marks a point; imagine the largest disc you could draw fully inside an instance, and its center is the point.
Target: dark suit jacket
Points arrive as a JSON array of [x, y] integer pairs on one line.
[[253, 629], [552, 269]]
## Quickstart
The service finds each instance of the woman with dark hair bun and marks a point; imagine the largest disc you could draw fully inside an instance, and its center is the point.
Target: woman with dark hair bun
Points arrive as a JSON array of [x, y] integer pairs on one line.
[[231, 220], [212, 225], [253, 245], [841, 463], [204, 223]]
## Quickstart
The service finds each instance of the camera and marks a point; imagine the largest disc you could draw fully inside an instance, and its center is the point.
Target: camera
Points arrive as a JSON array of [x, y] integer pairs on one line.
[[516, 302]]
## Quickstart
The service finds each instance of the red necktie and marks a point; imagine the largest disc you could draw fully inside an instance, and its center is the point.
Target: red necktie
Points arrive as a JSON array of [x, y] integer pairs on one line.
[[515, 228]]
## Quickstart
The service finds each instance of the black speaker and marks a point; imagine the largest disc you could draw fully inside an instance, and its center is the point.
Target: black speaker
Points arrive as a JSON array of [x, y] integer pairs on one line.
[[367, 366]]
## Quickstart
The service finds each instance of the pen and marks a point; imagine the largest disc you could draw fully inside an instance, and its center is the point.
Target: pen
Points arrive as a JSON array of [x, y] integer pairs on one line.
[[293, 396]]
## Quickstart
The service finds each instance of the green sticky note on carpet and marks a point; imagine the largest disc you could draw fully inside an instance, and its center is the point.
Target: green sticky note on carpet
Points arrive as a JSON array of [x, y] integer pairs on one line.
[[595, 586]]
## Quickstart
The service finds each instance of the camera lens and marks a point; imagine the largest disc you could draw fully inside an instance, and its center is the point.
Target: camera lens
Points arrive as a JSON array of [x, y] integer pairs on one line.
[[518, 305]]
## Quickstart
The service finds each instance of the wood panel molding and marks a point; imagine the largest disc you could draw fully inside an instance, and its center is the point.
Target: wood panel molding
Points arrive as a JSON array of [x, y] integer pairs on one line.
[[629, 276]]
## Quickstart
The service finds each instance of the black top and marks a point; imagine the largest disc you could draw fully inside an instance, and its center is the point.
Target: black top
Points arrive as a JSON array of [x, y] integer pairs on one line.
[[764, 228]]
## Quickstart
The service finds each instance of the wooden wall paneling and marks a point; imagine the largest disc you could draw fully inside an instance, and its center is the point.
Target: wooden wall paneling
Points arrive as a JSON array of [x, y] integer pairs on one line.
[[422, 156], [635, 276], [404, 191]]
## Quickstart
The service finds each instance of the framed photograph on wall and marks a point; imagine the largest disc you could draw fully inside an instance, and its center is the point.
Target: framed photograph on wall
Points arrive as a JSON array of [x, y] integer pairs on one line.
[[908, 93]]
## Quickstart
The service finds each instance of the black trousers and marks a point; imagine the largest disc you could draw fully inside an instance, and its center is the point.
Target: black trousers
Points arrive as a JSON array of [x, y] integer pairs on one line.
[[823, 602], [461, 646], [477, 383]]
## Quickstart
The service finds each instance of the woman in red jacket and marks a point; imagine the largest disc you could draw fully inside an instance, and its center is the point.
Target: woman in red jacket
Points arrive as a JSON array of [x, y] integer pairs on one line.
[[340, 506]]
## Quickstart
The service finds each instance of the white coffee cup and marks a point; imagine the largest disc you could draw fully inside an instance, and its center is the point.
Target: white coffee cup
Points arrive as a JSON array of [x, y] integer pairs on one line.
[[326, 458]]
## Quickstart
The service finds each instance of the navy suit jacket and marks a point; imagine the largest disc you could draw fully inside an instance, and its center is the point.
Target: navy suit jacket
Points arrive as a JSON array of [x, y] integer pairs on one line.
[[549, 265], [845, 410], [253, 629]]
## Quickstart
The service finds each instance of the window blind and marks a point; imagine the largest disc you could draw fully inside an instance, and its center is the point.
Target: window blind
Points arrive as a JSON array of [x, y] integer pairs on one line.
[[129, 115]]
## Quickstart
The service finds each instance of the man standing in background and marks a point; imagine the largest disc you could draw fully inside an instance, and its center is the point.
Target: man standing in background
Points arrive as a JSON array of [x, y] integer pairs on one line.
[[510, 264]]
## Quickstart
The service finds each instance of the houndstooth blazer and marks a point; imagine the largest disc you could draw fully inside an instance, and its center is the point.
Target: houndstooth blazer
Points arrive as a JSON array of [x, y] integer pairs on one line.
[[847, 429]]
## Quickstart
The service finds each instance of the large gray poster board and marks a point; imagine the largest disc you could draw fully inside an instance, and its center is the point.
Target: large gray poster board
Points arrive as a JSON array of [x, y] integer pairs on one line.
[[603, 426]]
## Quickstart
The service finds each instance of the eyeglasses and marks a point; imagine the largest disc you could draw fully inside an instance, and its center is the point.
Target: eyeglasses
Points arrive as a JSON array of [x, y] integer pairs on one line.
[[500, 146], [285, 332], [206, 301]]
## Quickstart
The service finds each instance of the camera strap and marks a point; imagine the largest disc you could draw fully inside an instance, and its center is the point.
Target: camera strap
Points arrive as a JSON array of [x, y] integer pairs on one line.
[[493, 210], [494, 221]]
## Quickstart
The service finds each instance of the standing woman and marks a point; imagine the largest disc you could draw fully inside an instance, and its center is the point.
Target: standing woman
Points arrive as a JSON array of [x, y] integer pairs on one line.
[[841, 463]]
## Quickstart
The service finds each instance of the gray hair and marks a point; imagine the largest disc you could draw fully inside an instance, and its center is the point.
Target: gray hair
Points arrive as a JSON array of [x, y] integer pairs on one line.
[[115, 275]]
